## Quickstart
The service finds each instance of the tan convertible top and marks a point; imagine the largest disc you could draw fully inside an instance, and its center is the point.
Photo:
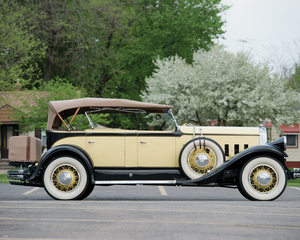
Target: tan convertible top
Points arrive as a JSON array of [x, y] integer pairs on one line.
[[66, 108]]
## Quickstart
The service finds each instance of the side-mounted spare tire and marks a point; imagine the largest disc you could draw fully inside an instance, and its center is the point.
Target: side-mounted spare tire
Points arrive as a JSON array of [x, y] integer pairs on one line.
[[200, 156], [67, 178]]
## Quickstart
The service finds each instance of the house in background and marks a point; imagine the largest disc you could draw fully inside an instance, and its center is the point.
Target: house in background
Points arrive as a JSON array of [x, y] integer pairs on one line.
[[292, 135], [10, 103]]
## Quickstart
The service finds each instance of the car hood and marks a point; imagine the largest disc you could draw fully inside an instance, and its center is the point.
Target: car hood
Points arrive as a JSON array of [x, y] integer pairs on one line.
[[220, 130]]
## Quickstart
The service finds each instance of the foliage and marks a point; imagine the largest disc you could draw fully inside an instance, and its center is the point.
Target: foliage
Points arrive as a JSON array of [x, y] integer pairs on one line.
[[294, 81], [72, 31], [107, 46], [283, 58], [166, 28], [34, 113], [222, 86], [19, 50]]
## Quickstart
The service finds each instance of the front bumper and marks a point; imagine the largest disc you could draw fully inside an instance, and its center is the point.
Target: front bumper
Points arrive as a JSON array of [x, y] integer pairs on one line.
[[296, 173]]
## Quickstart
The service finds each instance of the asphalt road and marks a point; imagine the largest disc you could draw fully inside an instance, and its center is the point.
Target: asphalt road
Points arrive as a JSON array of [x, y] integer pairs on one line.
[[148, 212]]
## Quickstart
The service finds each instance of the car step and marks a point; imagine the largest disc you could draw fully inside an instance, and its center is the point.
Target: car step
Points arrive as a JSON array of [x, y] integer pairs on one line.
[[296, 173], [133, 182]]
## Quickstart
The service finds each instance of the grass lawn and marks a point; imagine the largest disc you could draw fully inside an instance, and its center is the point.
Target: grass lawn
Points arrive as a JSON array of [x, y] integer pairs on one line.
[[294, 183], [290, 183], [3, 178]]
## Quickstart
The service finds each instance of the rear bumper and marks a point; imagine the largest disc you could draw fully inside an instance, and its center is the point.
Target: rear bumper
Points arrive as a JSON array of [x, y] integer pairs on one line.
[[20, 175]]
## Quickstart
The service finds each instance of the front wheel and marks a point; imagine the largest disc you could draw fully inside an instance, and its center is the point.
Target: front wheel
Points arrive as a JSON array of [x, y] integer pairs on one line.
[[66, 178], [262, 178]]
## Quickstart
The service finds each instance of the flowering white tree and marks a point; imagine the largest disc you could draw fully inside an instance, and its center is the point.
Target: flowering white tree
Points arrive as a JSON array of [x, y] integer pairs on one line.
[[222, 86]]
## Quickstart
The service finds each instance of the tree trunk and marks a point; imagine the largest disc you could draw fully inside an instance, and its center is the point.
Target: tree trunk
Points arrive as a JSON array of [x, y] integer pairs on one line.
[[49, 69]]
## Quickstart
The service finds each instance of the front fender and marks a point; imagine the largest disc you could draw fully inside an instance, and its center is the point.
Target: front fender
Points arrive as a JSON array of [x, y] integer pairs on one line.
[[65, 149], [238, 161]]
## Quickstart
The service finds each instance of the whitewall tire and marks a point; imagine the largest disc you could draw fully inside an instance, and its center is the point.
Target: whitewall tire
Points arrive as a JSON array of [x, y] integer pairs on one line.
[[262, 178], [66, 178], [199, 157]]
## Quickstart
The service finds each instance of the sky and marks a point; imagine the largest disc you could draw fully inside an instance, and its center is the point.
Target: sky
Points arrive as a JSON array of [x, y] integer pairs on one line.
[[256, 25]]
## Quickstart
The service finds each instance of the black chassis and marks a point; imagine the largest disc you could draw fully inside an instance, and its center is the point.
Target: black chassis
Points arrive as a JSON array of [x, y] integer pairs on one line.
[[226, 175]]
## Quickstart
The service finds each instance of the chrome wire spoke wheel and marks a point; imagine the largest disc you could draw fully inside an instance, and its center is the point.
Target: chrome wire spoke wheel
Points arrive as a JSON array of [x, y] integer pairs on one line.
[[66, 178], [195, 160], [202, 160], [262, 178]]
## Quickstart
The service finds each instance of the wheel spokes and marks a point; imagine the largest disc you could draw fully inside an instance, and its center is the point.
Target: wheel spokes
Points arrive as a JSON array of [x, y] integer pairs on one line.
[[202, 160], [65, 178], [263, 178]]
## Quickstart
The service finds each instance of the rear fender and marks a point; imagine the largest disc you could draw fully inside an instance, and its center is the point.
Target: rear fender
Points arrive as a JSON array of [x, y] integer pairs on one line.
[[64, 150]]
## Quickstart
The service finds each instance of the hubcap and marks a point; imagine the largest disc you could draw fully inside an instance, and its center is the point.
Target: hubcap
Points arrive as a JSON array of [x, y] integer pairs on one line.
[[202, 160], [65, 178], [263, 178]]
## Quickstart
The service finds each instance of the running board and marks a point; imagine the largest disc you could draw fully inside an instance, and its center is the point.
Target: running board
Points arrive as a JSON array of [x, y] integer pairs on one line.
[[147, 182]]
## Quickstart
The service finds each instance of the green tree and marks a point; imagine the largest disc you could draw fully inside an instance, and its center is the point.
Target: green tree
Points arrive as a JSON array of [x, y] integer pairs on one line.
[[164, 28], [108, 47], [294, 81], [34, 112], [78, 36], [19, 49], [222, 86]]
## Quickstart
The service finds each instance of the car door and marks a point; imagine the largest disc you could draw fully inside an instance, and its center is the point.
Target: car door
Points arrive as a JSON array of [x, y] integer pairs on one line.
[[106, 147], [156, 149]]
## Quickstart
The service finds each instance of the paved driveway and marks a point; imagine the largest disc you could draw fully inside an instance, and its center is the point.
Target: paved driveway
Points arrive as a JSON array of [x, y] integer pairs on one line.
[[148, 212]]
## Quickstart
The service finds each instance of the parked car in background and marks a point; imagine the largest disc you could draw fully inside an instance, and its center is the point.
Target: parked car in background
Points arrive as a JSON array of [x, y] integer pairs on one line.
[[131, 143]]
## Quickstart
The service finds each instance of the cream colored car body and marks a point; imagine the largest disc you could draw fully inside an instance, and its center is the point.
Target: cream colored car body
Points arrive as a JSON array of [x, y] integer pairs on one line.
[[159, 149]]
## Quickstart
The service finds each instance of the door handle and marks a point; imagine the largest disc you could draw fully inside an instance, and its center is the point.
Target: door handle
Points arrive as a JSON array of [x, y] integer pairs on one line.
[[91, 142], [143, 142]]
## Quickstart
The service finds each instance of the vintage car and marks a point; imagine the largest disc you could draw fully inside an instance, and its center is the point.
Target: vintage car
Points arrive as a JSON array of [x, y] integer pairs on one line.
[[137, 143]]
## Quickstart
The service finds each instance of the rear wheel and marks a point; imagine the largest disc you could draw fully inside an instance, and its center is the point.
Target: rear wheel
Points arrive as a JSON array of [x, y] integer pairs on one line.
[[200, 156], [66, 178], [262, 178]]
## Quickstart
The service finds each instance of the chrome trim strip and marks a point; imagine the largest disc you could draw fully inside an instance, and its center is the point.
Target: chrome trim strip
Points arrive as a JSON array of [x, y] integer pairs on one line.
[[134, 182], [284, 142], [262, 134], [174, 119], [194, 132]]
